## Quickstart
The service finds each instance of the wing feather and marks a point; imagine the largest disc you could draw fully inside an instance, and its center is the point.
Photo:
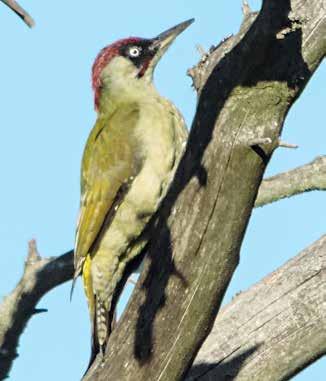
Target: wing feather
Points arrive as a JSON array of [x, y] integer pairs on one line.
[[110, 158]]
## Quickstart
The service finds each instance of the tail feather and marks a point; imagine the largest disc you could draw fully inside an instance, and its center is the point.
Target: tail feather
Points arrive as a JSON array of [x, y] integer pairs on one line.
[[101, 318], [102, 306], [101, 330]]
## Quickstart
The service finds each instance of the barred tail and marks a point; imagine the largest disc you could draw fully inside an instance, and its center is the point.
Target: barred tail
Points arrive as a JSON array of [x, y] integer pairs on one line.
[[102, 324], [101, 314], [102, 303]]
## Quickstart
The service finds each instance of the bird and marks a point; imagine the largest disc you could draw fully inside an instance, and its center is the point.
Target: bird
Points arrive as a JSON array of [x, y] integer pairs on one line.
[[128, 164]]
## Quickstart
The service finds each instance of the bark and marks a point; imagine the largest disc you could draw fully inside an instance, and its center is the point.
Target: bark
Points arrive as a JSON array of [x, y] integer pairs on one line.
[[246, 87], [20, 12], [274, 329], [44, 274]]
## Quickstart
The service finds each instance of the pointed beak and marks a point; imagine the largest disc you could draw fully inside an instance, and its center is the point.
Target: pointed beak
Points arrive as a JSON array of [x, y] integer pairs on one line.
[[165, 39], [160, 44]]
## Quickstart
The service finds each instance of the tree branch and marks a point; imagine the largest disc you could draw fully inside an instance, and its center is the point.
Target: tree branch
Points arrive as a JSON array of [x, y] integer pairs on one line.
[[40, 276], [219, 176], [14, 6], [306, 178], [59, 270], [274, 329], [246, 88]]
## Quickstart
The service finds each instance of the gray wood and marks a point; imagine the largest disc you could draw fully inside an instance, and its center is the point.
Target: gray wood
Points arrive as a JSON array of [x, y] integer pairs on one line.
[[40, 276], [306, 178], [274, 329], [246, 87]]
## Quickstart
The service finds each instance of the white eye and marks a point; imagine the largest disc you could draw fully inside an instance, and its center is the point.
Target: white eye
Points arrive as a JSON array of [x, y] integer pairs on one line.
[[134, 51]]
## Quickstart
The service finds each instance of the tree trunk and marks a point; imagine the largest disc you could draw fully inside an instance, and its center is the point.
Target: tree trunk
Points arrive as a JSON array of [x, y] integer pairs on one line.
[[246, 86]]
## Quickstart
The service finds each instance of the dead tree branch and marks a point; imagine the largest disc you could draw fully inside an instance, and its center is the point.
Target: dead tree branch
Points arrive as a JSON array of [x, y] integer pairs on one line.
[[14, 6], [306, 178], [40, 276], [274, 329], [246, 87]]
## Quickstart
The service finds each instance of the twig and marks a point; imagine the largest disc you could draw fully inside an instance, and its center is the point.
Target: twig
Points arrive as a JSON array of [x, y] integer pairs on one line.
[[259, 141], [306, 178], [283, 144], [33, 254], [14, 6], [245, 8]]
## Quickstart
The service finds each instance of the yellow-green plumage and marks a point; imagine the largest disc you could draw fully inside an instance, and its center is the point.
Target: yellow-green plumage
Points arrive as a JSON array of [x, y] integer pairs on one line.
[[128, 164]]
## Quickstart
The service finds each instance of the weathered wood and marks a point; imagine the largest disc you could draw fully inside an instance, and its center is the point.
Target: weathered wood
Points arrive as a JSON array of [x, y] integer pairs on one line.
[[15, 7], [274, 329], [306, 178], [246, 89], [40, 276], [55, 271], [218, 155]]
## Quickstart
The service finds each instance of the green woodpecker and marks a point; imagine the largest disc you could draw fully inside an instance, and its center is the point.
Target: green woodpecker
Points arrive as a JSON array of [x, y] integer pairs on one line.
[[128, 163]]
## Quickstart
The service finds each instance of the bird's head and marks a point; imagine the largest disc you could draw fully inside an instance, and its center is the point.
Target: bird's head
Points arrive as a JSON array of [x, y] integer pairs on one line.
[[131, 59]]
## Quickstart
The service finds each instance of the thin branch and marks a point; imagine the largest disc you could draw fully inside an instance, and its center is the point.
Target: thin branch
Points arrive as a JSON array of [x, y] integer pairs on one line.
[[283, 144], [258, 141], [14, 6], [281, 320], [246, 8], [309, 177], [40, 276]]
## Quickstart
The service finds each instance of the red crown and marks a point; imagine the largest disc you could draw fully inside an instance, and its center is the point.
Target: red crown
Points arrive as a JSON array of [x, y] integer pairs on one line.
[[101, 61]]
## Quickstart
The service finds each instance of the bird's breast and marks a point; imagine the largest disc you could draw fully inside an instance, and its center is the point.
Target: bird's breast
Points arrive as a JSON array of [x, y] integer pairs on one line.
[[158, 131]]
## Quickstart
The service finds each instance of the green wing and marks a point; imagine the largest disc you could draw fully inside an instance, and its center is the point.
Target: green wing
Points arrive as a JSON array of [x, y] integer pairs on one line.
[[110, 159]]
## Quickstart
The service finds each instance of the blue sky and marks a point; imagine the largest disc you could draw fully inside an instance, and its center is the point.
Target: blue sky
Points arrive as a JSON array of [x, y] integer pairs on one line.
[[46, 114]]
